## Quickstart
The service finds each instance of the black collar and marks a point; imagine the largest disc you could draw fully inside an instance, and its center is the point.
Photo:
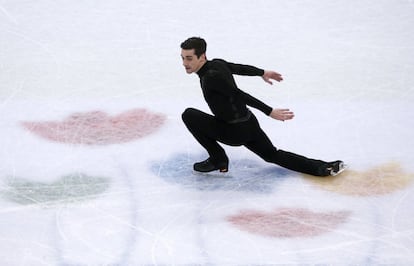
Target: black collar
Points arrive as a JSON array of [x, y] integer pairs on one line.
[[202, 71]]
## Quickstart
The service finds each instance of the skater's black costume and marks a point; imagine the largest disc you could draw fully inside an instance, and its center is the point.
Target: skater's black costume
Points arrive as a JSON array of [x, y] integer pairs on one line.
[[233, 123]]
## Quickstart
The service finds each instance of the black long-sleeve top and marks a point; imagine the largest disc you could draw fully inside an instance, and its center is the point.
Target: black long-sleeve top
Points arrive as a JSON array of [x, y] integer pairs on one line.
[[225, 99]]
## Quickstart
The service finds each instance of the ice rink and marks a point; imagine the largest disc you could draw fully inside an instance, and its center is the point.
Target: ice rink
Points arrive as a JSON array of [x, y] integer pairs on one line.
[[96, 164]]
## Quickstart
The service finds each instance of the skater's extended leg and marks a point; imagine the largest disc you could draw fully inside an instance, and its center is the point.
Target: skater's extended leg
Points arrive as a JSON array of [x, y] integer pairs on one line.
[[262, 146]]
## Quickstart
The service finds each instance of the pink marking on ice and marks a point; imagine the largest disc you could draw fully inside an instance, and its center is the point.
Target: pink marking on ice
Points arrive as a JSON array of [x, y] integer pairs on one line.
[[97, 128], [288, 222]]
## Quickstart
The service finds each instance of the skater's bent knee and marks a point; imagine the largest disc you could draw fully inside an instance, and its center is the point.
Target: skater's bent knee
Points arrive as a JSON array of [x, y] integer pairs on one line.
[[189, 110], [188, 114]]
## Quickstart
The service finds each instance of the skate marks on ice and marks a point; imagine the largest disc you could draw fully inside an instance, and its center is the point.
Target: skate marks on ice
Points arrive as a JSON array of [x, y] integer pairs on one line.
[[98, 128], [105, 221], [252, 176], [243, 175], [379, 180], [72, 188], [92, 217], [288, 222]]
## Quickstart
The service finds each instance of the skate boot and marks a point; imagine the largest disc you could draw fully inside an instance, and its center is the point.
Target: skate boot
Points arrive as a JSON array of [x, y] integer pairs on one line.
[[332, 168], [207, 166]]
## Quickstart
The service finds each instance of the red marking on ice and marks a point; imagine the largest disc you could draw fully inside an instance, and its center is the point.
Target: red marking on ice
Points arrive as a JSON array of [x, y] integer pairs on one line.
[[288, 222], [97, 128]]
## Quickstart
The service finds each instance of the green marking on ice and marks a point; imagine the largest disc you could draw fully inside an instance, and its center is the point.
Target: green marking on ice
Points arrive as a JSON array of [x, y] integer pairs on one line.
[[71, 188]]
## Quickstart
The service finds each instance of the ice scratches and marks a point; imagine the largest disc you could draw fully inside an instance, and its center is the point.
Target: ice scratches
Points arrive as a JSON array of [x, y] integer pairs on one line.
[[8, 15], [244, 175], [288, 222], [71, 188]]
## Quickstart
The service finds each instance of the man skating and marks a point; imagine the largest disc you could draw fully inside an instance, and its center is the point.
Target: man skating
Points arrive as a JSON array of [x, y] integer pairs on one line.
[[232, 123]]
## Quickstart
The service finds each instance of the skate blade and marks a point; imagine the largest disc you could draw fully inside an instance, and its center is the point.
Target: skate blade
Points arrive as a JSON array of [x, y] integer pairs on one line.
[[341, 169], [215, 173]]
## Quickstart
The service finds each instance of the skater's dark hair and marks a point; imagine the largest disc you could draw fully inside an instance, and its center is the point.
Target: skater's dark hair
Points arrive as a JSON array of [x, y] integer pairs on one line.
[[198, 44]]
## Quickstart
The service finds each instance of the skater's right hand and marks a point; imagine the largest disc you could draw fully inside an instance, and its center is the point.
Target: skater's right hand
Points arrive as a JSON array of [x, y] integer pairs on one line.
[[282, 114], [269, 74]]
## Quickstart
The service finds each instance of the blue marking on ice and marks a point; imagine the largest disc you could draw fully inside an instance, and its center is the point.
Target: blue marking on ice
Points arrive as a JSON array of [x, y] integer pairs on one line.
[[244, 175]]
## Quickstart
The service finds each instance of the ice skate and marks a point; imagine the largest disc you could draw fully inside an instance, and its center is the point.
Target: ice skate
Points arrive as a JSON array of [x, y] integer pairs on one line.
[[332, 168], [207, 166], [335, 168]]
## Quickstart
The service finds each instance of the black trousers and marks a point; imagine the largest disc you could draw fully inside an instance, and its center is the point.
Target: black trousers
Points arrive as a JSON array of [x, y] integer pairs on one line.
[[208, 131]]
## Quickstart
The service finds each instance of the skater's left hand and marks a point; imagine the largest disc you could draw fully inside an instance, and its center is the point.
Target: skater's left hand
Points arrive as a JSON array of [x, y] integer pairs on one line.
[[282, 114], [268, 75]]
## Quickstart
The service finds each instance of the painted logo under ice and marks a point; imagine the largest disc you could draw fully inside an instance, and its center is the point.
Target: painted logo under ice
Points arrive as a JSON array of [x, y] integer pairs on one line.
[[244, 175], [98, 128]]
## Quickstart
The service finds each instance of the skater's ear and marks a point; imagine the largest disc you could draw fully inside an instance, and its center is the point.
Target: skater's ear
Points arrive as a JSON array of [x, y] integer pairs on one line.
[[202, 56]]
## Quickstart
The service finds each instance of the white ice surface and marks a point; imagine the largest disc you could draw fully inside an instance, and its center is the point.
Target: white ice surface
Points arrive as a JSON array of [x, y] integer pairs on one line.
[[349, 76]]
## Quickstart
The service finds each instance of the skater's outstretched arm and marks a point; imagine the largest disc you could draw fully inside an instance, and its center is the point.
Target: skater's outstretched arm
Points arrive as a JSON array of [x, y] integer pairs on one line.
[[282, 114], [248, 70]]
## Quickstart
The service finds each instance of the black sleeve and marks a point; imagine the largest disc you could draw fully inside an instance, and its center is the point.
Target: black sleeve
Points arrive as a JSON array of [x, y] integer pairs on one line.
[[245, 70], [256, 103]]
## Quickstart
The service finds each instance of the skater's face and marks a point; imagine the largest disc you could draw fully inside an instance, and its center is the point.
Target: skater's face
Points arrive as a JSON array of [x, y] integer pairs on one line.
[[191, 62]]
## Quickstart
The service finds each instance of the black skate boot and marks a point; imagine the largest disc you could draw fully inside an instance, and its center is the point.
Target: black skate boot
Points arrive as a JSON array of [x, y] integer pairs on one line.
[[207, 166], [332, 168]]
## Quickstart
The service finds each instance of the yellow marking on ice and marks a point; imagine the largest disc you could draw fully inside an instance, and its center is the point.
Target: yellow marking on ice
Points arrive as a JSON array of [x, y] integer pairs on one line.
[[379, 180]]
